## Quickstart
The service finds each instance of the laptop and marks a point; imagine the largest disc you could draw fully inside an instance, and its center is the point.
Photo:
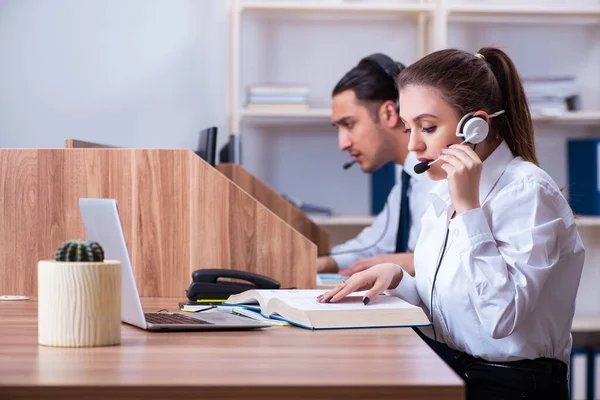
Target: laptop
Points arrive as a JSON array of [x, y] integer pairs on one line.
[[103, 225]]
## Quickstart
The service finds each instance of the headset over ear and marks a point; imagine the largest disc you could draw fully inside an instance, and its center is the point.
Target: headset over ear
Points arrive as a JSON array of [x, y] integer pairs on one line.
[[473, 128], [389, 66]]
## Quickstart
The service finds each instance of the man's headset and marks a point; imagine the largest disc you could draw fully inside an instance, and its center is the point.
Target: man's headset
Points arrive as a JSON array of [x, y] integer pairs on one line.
[[392, 69]]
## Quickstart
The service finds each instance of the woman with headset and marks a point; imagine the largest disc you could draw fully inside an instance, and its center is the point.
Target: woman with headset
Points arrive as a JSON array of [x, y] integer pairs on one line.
[[499, 258]]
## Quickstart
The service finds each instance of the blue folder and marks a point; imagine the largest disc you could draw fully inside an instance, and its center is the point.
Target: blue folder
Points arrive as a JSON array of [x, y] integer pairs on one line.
[[584, 178]]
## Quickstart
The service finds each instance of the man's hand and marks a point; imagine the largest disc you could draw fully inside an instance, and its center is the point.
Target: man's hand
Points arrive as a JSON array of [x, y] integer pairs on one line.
[[326, 264], [405, 260]]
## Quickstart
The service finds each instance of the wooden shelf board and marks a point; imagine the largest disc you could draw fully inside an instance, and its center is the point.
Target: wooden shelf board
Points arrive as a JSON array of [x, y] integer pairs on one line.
[[573, 117], [311, 113], [315, 7], [586, 323], [588, 220], [524, 11]]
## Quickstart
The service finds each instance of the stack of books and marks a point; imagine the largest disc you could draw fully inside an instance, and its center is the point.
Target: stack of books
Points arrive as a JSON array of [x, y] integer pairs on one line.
[[274, 97], [551, 96]]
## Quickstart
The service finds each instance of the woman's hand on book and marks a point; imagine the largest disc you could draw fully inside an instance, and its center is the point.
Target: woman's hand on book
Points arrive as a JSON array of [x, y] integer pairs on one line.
[[376, 280]]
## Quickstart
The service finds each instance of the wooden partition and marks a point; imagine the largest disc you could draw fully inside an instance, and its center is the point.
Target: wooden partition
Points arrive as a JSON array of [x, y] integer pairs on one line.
[[179, 214], [280, 206], [81, 144], [261, 192]]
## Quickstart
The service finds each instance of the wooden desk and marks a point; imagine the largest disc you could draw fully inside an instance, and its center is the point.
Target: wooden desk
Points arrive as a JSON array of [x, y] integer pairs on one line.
[[277, 363]]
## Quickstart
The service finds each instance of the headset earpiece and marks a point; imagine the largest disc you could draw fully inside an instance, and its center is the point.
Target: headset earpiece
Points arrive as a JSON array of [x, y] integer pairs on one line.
[[473, 128]]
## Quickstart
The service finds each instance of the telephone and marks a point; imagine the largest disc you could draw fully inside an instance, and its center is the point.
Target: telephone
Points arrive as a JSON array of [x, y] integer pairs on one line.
[[206, 284]]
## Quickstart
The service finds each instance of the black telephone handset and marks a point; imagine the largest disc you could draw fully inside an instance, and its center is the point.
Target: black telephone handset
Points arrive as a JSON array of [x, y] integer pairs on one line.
[[206, 284]]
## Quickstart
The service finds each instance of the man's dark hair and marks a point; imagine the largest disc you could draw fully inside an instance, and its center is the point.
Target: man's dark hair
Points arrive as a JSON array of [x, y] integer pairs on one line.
[[371, 85]]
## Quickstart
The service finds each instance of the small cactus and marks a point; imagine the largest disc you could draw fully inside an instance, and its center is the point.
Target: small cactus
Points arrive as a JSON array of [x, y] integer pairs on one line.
[[79, 250]]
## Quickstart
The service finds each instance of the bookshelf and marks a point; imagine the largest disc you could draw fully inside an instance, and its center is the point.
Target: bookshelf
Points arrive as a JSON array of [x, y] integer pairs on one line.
[[433, 16], [421, 11], [436, 24]]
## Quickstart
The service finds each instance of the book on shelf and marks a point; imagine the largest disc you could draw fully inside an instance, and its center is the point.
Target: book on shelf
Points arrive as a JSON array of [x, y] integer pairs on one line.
[[276, 99], [277, 107], [552, 95], [301, 308], [278, 89]]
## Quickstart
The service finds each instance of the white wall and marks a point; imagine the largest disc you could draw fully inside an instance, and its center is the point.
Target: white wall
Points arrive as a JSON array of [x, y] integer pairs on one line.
[[134, 73]]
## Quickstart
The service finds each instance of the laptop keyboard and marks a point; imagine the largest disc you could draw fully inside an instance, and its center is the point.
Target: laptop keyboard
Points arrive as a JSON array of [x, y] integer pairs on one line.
[[173, 319]]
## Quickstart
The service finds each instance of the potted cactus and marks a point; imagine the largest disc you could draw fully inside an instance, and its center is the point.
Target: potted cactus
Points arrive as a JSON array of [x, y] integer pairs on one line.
[[79, 251], [79, 297]]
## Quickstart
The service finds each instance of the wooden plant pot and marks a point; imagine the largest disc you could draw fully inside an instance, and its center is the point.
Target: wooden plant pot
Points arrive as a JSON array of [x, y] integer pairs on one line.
[[79, 303]]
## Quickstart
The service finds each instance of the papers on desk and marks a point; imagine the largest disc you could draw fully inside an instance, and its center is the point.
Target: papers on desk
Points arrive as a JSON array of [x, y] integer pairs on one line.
[[245, 312], [195, 307], [327, 281], [241, 311]]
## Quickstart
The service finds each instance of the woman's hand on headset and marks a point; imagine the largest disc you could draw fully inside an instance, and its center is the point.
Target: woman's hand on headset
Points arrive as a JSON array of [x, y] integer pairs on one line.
[[376, 279], [463, 167]]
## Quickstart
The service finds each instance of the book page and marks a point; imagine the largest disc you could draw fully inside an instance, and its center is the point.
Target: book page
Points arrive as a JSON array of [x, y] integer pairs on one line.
[[306, 300], [252, 296]]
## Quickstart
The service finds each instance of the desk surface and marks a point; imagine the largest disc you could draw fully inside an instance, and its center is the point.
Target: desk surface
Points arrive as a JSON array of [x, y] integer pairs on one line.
[[279, 362]]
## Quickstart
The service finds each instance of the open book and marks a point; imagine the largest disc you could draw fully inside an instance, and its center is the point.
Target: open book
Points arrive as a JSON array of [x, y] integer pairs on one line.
[[300, 307]]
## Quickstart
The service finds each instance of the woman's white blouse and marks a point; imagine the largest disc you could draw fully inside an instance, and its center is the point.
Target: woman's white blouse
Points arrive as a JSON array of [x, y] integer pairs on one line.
[[507, 283]]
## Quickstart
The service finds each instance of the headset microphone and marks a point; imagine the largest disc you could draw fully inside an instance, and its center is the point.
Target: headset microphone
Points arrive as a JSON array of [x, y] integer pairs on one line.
[[421, 167], [349, 164]]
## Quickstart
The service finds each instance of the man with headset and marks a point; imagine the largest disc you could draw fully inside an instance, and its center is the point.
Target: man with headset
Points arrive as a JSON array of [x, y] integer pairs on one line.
[[365, 111]]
